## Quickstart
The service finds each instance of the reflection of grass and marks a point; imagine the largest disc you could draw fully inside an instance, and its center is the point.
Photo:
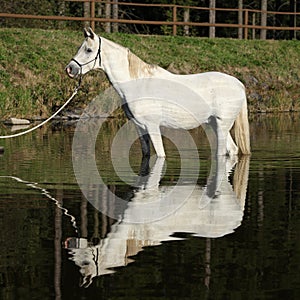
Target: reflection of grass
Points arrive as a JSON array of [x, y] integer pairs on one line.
[[32, 63]]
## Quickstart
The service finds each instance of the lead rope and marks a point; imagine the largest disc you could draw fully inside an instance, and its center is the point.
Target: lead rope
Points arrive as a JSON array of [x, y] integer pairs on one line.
[[47, 120]]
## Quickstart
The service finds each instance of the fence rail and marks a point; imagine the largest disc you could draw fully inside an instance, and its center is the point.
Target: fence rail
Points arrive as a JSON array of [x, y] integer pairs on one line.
[[246, 21]]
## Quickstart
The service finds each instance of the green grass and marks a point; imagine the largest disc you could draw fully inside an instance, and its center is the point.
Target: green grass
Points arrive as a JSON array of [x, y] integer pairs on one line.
[[33, 81]]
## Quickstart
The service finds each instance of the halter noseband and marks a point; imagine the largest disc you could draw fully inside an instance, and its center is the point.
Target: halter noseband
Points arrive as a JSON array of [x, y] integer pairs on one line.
[[93, 60]]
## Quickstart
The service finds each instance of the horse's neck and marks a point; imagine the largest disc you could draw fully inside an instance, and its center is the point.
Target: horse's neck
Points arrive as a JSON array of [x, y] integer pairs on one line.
[[114, 61], [121, 65]]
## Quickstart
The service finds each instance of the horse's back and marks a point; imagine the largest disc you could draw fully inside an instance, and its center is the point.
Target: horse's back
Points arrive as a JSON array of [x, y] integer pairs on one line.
[[208, 80], [223, 93]]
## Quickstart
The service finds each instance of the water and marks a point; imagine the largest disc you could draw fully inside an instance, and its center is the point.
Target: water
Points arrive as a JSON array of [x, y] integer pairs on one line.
[[218, 244]]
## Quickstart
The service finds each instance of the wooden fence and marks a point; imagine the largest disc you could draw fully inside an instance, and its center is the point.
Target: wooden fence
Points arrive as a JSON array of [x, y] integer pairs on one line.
[[247, 19]]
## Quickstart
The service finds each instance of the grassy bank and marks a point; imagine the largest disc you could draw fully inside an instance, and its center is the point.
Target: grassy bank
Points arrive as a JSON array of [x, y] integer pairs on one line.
[[33, 81]]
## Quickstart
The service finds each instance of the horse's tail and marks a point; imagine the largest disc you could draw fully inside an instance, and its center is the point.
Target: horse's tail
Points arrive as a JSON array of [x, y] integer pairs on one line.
[[241, 130]]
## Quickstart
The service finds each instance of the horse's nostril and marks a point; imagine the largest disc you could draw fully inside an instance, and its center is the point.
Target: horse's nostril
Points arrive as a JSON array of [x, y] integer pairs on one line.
[[69, 71]]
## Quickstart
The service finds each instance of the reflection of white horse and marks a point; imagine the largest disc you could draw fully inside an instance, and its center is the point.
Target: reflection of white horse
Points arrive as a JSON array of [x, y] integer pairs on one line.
[[213, 211], [153, 97]]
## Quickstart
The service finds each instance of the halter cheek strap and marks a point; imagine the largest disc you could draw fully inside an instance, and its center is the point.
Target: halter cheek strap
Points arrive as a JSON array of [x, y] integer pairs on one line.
[[93, 60]]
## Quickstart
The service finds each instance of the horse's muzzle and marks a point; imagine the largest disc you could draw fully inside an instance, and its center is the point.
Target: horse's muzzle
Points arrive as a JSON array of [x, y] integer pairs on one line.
[[72, 70]]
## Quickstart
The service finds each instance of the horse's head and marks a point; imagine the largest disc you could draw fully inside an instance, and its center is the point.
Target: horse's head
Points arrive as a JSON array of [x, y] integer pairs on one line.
[[88, 56]]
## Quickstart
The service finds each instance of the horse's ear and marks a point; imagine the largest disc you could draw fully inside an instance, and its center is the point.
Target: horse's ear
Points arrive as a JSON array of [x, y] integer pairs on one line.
[[85, 32], [89, 33]]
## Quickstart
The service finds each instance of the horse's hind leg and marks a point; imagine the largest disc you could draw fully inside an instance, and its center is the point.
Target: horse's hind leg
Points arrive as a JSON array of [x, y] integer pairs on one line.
[[216, 137], [225, 144], [232, 148]]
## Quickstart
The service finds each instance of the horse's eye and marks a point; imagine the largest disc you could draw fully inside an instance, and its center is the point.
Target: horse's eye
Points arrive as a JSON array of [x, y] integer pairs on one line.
[[89, 50]]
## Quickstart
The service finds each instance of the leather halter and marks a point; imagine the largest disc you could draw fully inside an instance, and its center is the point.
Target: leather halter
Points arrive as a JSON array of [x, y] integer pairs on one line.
[[93, 60]]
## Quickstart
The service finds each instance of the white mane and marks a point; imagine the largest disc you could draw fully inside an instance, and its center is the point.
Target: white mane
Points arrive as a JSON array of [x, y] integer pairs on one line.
[[122, 56], [138, 68]]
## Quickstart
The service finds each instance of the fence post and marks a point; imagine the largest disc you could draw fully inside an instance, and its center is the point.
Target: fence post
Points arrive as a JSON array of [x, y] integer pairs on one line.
[[86, 12], [174, 20], [253, 23], [115, 12], [186, 18], [264, 16], [246, 24], [293, 19], [93, 14], [240, 20], [107, 16], [212, 18]]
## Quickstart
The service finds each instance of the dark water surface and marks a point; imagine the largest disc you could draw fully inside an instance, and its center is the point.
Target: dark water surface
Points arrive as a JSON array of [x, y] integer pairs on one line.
[[236, 236]]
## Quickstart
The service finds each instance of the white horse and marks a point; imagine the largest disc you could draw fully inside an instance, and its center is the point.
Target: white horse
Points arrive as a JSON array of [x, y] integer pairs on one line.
[[153, 97]]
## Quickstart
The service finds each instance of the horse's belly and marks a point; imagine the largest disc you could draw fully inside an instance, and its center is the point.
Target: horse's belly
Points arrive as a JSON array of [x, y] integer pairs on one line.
[[170, 114], [179, 117]]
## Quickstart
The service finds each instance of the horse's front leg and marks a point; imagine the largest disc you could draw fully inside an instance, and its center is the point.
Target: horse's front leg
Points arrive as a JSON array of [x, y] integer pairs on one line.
[[144, 140], [156, 139]]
